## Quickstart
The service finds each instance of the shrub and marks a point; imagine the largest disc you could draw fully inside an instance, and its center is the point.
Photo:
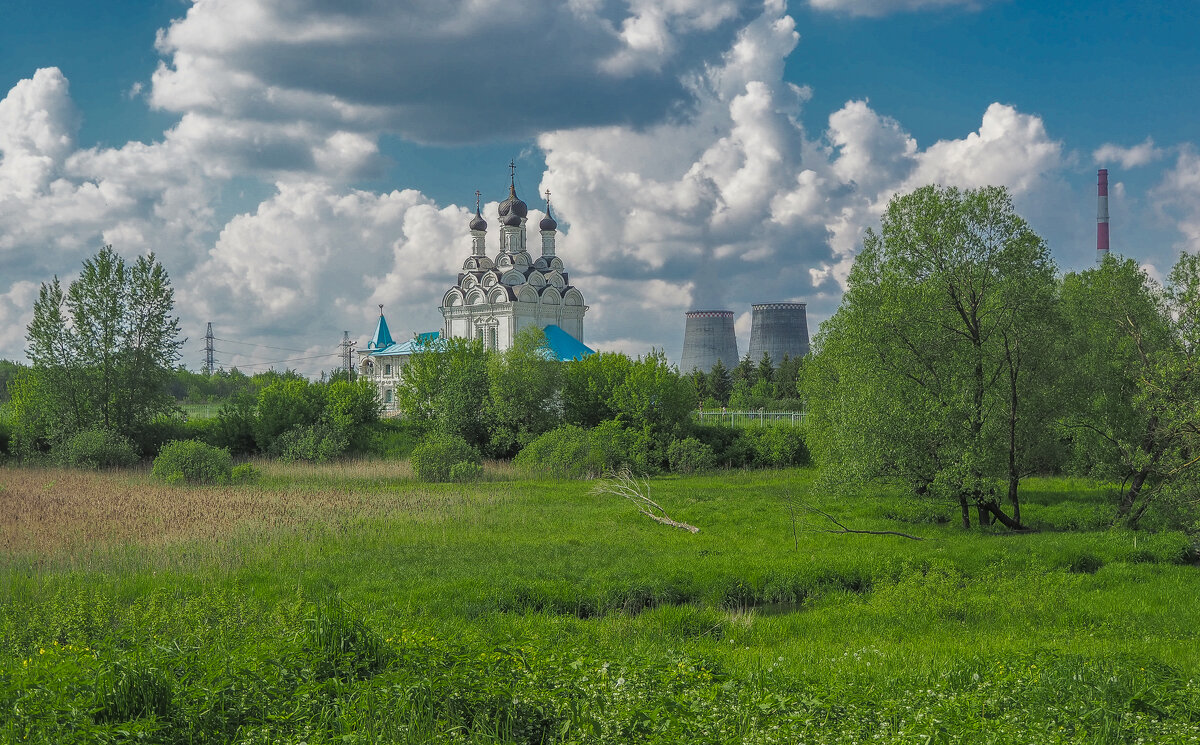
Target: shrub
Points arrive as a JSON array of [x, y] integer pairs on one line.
[[689, 455], [5, 438], [436, 455], [96, 448], [465, 471], [777, 446], [245, 473], [193, 462], [564, 452], [316, 443], [391, 438]]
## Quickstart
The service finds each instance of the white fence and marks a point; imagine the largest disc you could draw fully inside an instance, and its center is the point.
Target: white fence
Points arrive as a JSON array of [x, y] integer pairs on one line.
[[749, 418]]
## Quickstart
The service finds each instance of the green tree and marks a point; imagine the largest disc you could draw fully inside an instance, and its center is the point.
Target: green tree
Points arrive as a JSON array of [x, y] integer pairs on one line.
[[766, 368], [8, 371], [1135, 413], [105, 348], [909, 377], [445, 388], [720, 383], [655, 396], [523, 382], [588, 386], [745, 372]]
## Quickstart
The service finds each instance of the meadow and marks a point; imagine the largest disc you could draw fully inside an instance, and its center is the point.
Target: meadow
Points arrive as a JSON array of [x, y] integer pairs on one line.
[[349, 603]]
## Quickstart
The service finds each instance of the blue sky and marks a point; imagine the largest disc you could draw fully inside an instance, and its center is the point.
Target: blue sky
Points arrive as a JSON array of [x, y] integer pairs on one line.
[[296, 163]]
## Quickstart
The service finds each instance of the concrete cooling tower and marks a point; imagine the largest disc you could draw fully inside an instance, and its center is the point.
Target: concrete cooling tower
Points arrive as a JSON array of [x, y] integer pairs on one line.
[[708, 337], [778, 329]]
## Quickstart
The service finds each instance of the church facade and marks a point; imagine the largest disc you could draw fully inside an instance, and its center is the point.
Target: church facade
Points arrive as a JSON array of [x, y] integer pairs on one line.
[[496, 297], [493, 299]]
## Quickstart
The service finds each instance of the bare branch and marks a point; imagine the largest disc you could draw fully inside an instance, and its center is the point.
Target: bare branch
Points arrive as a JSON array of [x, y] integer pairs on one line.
[[627, 486]]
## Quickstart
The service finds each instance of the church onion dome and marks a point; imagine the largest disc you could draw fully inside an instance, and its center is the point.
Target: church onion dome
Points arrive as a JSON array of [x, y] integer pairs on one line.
[[513, 205], [477, 222], [548, 222], [512, 220]]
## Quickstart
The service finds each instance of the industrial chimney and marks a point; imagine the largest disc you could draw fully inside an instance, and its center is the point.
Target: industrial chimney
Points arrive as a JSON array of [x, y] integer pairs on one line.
[[708, 337], [778, 329], [1102, 216]]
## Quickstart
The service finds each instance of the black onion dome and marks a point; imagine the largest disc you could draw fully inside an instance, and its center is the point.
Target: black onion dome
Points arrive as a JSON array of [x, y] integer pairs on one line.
[[512, 204], [512, 220], [548, 222], [477, 222]]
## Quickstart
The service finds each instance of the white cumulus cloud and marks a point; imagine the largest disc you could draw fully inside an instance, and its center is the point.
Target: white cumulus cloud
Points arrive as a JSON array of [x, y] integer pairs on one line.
[[1128, 157]]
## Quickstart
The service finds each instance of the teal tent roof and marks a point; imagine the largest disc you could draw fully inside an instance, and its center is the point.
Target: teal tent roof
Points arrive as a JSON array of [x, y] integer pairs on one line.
[[383, 337], [560, 345], [563, 346], [410, 346]]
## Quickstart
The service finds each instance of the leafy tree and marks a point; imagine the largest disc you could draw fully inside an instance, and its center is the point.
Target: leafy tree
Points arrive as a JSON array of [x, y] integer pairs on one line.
[[524, 383], [1135, 414], [655, 396], [588, 386], [283, 406], [766, 368], [910, 378], [745, 372], [8, 372], [445, 388], [720, 383], [105, 347]]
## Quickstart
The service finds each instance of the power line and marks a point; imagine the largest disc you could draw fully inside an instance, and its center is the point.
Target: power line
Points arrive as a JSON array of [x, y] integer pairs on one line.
[[264, 346], [293, 359]]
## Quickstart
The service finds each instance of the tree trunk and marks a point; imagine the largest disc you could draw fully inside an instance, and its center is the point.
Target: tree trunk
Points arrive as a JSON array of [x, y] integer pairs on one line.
[[981, 512], [1004, 519], [1014, 480], [966, 511], [1129, 498]]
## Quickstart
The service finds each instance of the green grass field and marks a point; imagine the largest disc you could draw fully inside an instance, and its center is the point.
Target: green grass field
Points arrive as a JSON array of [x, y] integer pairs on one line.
[[347, 603]]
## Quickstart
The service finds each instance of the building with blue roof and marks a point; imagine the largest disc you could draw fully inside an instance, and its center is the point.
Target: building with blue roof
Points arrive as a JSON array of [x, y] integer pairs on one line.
[[493, 300]]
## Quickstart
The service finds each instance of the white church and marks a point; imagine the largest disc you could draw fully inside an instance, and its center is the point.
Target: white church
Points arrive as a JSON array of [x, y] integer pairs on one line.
[[493, 299]]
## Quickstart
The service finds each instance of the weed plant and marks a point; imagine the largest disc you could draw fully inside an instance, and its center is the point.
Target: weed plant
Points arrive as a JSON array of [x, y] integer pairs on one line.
[[347, 602]]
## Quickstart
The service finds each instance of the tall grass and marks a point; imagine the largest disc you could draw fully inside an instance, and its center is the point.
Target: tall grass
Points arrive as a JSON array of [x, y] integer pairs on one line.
[[347, 602]]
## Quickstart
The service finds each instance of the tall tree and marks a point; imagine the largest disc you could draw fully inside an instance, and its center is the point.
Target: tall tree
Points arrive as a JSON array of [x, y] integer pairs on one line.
[[1135, 351], [720, 383], [910, 378], [105, 348], [524, 382]]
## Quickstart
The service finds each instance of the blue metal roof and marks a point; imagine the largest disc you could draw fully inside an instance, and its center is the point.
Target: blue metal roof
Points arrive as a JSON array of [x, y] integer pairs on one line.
[[564, 347], [383, 337], [410, 346], [560, 345]]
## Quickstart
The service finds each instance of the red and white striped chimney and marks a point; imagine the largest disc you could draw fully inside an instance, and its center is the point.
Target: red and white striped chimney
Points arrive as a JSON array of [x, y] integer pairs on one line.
[[1102, 216]]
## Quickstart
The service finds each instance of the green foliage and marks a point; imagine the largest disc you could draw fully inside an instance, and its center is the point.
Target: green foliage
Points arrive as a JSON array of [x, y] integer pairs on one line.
[[689, 455], [316, 443], [565, 452], [777, 445], [32, 426], [245, 473], [193, 462], [96, 448], [236, 419], [437, 454], [8, 372], [535, 612], [130, 690], [654, 396], [524, 383], [104, 348], [1136, 384], [391, 438], [940, 350], [588, 386], [445, 388], [465, 471], [284, 406], [719, 383]]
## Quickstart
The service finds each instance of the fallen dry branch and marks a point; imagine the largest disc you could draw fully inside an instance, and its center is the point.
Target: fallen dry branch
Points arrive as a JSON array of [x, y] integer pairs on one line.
[[842, 528], [627, 486]]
